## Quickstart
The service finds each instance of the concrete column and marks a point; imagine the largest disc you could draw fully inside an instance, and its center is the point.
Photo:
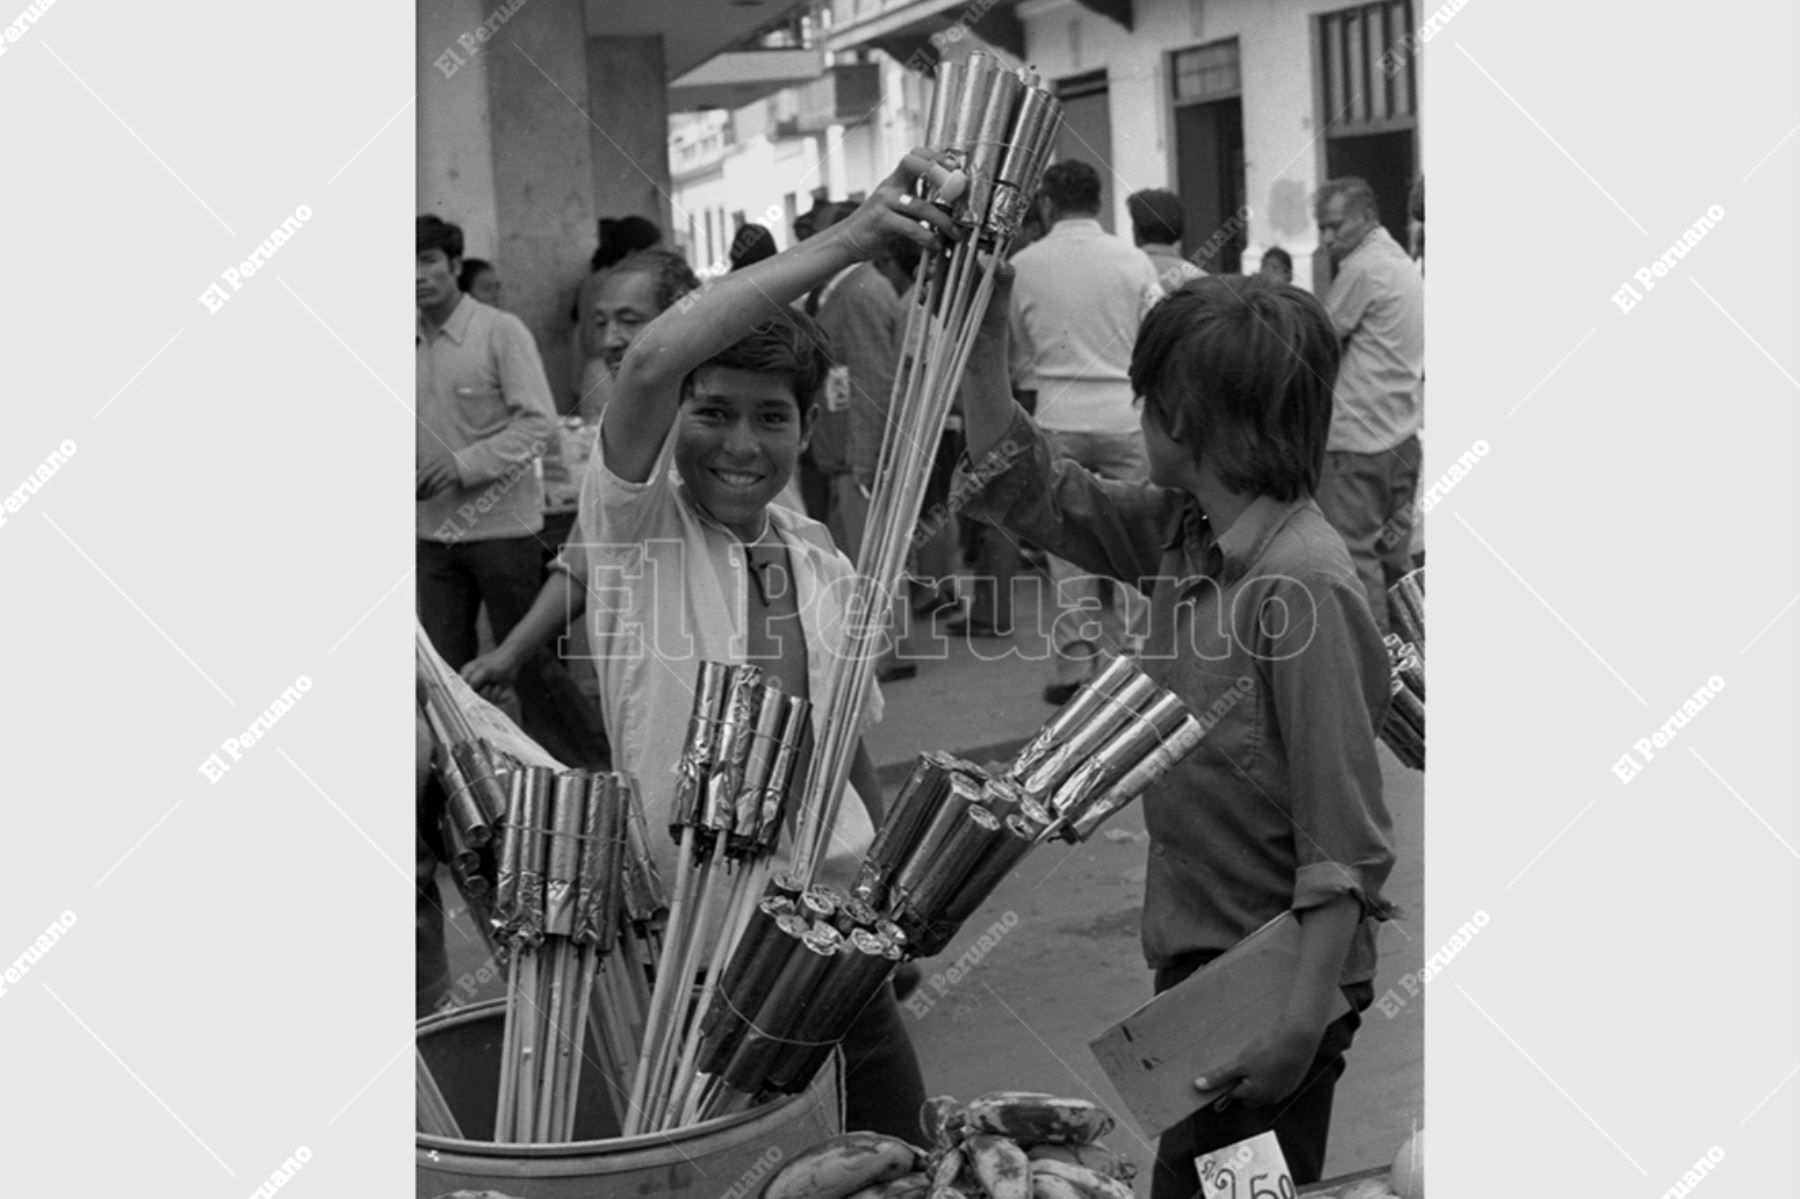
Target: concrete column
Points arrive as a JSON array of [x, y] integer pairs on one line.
[[542, 167], [627, 93], [455, 164]]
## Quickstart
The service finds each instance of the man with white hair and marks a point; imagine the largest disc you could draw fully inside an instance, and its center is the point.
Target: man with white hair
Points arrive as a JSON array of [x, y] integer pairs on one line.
[[1377, 302]]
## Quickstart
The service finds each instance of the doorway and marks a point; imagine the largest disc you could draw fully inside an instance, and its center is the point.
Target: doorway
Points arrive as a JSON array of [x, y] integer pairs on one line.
[[1209, 154], [1086, 132]]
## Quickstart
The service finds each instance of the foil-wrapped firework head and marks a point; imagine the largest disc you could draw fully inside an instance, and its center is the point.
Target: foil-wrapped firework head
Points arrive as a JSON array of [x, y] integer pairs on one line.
[[851, 981], [1035, 109], [981, 882], [567, 803], [540, 782], [947, 86], [971, 104], [961, 793], [1128, 745], [645, 899], [856, 913], [506, 883], [695, 763], [788, 771], [1046, 146], [1407, 744], [1002, 796], [820, 902], [1406, 604], [762, 939], [1080, 825], [732, 751], [1107, 715], [1081, 708], [977, 832], [918, 800], [990, 144], [803, 964], [759, 766], [478, 768], [785, 886], [594, 856]]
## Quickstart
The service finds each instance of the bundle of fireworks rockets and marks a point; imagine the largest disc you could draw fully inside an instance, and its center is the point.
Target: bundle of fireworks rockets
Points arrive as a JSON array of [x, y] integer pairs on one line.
[[809, 959], [1404, 731], [566, 892], [994, 130]]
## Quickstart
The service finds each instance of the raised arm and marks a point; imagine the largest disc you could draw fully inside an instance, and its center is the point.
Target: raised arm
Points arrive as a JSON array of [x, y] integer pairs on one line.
[[648, 391]]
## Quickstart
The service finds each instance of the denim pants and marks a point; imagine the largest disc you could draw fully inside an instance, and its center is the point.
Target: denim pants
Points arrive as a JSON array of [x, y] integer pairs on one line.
[[1076, 593]]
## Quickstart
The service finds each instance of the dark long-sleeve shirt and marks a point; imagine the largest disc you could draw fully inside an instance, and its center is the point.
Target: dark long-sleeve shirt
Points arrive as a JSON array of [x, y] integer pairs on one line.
[[864, 320], [1265, 633]]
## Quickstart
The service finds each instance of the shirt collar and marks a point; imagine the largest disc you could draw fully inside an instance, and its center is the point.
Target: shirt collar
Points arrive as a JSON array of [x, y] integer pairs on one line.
[[1228, 557], [1248, 538], [457, 327], [1372, 237], [1076, 224]]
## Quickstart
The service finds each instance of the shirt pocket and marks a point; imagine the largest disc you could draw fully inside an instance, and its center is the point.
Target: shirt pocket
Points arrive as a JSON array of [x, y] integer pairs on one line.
[[481, 407], [1228, 704]]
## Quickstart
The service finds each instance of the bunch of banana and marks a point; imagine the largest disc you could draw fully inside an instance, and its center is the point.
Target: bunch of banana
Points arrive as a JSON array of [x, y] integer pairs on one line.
[[1004, 1145], [863, 1164]]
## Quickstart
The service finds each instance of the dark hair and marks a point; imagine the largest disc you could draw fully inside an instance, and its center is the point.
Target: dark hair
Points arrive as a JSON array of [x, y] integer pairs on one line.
[[1358, 195], [788, 343], [1072, 186], [1277, 254], [1240, 370], [1156, 216], [471, 271], [752, 243], [623, 236], [435, 233], [669, 273]]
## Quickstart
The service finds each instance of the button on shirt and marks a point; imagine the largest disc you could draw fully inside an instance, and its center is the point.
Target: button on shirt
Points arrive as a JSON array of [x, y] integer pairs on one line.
[[1377, 302], [668, 587], [1079, 294], [483, 397], [1265, 634]]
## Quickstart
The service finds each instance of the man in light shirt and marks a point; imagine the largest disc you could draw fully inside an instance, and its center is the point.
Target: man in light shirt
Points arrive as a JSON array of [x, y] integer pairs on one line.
[[1156, 226], [1377, 302], [1078, 298]]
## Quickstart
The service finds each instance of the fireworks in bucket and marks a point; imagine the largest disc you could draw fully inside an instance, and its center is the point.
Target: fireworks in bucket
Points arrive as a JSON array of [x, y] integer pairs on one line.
[[740, 761], [564, 890], [995, 127], [1404, 731]]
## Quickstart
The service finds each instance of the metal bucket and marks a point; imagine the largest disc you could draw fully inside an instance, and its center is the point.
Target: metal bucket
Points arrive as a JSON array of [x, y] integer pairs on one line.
[[727, 1158]]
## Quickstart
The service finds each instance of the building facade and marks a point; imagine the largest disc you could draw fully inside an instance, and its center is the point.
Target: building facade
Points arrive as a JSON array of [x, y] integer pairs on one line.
[[1242, 107]]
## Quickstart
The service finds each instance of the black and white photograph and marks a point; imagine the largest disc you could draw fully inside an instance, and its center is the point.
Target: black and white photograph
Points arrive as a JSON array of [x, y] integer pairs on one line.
[[902, 667]]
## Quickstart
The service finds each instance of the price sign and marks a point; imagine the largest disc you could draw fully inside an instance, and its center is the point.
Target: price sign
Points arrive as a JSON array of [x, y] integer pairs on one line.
[[1252, 1169]]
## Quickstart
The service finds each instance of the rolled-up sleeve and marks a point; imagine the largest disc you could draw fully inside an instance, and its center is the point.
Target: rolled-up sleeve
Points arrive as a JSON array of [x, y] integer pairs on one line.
[[1327, 674], [531, 415]]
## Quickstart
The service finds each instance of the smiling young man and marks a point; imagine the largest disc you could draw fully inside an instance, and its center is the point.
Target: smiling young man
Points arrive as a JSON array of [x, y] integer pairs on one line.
[[686, 558]]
